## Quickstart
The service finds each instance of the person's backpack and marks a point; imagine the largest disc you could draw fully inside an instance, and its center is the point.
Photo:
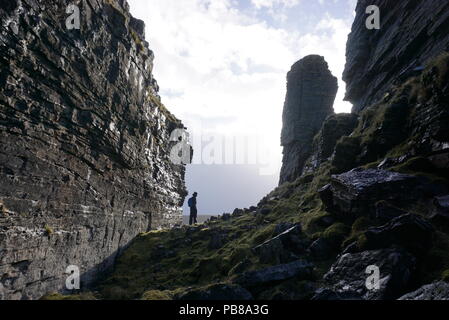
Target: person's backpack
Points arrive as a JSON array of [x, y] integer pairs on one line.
[[190, 202]]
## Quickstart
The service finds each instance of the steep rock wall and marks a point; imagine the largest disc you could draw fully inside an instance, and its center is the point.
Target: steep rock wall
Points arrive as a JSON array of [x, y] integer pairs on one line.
[[84, 153], [311, 91], [411, 33]]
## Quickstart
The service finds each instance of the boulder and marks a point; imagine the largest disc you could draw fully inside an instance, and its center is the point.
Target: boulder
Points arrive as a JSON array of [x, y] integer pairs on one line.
[[226, 217], [409, 231], [415, 32], [217, 292], [434, 291], [348, 274], [282, 227], [264, 211], [285, 247], [328, 294], [334, 127], [440, 211], [385, 211], [321, 249], [240, 267], [356, 192], [300, 269], [217, 240]]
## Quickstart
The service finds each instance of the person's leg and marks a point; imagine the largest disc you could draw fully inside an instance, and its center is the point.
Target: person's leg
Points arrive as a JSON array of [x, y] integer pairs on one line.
[[191, 217], [195, 216]]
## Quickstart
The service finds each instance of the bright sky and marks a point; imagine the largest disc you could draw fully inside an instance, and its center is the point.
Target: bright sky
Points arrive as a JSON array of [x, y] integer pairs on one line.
[[221, 66]]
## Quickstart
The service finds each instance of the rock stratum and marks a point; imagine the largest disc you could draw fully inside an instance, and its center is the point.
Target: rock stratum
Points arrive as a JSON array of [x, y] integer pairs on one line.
[[85, 143], [411, 33]]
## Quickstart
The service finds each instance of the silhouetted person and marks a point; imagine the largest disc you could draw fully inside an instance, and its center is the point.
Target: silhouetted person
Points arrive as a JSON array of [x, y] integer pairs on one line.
[[193, 209]]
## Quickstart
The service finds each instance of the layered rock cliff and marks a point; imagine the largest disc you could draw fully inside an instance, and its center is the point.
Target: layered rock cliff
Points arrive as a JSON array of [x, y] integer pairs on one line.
[[85, 143], [411, 33], [311, 91]]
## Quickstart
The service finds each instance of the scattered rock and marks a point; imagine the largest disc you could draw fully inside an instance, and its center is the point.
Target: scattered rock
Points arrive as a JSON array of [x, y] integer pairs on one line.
[[299, 269], [334, 127], [409, 231], [321, 249], [226, 217], [85, 148], [435, 291], [440, 211], [217, 240], [348, 273], [264, 211], [240, 267], [385, 211], [356, 192], [374, 60], [328, 294], [282, 227], [283, 248], [217, 292]]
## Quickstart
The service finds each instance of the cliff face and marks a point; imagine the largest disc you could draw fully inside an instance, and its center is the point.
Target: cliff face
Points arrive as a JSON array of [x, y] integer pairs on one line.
[[311, 91], [411, 33], [84, 153]]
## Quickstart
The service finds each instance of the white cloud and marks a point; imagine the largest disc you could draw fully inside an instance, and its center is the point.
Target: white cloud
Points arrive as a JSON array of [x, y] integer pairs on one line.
[[272, 3]]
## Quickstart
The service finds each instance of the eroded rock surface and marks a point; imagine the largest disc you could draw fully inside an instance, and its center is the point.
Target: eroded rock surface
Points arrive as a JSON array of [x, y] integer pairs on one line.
[[84, 153], [434, 291], [411, 32], [348, 276]]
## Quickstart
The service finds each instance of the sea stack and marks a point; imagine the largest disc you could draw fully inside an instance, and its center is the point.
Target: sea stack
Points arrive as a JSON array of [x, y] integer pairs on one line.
[[311, 91]]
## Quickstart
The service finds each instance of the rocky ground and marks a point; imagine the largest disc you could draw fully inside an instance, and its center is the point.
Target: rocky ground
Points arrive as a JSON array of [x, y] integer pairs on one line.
[[375, 201]]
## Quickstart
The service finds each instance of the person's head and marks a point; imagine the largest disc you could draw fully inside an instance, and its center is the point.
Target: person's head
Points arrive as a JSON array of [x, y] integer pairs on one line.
[[195, 194]]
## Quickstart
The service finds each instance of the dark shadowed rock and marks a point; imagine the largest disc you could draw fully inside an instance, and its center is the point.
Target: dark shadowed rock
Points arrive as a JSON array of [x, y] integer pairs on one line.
[[435, 291], [264, 211], [226, 216], [85, 143], [411, 32], [385, 211], [321, 249], [348, 273], [356, 192], [217, 240], [440, 212], [217, 292], [285, 247], [299, 269], [284, 226], [311, 91], [328, 294], [240, 267], [410, 231], [334, 127]]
